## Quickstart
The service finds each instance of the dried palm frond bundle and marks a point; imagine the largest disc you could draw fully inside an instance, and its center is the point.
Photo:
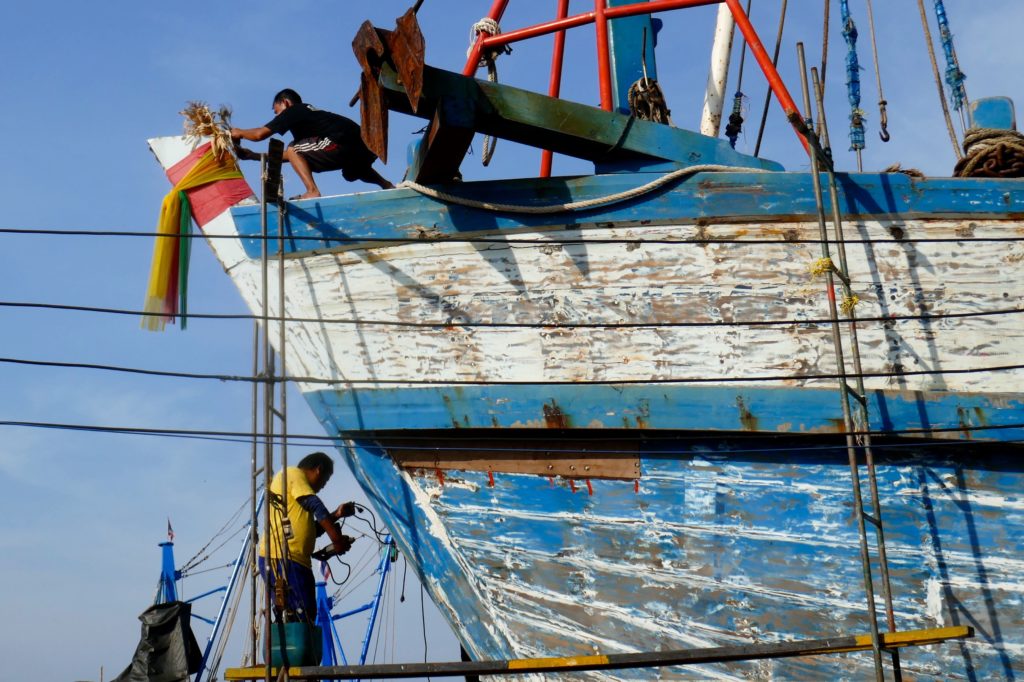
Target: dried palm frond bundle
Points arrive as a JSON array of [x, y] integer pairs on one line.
[[201, 121]]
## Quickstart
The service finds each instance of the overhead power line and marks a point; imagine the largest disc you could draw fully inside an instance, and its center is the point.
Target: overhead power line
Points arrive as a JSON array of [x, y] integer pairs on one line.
[[505, 382], [369, 241], [246, 437], [519, 325]]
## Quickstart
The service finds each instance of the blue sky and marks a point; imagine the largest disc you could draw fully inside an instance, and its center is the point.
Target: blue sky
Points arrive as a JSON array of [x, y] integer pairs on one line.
[[87, 83]]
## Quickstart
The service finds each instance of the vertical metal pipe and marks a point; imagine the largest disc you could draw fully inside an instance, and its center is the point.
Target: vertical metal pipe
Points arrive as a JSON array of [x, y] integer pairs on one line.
[[604, 63], [555, 84], [851, 446], [865, 426], [718, 73], [765, 62], [253, 511], [473, 61], [268, 452], [383, 567], [282, 383]]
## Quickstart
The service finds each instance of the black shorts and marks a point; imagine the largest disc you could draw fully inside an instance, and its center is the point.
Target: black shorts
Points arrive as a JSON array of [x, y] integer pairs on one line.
[[324, 154]]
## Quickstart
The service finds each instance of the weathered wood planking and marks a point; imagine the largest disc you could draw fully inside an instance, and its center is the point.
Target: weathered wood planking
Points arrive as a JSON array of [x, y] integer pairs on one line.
[[655, 284]]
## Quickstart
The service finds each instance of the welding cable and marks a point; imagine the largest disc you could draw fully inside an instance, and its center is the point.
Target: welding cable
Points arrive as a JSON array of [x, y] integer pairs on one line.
[[371, 242], [447, 324], [347, 575], [507, 382]]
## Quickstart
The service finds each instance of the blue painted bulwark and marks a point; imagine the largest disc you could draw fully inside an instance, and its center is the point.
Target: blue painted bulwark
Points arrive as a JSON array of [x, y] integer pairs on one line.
[[668, 406], [728, 197]]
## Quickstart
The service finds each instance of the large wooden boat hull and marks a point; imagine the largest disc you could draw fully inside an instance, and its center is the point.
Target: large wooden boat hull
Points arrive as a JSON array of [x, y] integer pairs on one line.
[[620, 430]]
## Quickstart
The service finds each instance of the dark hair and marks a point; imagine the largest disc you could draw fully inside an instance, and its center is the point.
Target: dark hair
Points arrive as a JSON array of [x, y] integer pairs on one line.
[[288, 94], [318, 460]]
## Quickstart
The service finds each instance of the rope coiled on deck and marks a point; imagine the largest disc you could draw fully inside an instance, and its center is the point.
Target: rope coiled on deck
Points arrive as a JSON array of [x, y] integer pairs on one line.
[[575, 205], [991, 153]]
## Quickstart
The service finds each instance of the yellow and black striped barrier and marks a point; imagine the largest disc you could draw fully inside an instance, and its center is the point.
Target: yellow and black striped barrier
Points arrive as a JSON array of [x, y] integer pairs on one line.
[[517, 666]]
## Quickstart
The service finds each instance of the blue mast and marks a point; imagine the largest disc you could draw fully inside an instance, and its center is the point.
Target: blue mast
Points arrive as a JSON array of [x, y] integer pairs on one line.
[[169, 576]]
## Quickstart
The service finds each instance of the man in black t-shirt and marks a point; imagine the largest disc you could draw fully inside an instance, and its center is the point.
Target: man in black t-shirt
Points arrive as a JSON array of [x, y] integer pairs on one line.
[[322, 141]]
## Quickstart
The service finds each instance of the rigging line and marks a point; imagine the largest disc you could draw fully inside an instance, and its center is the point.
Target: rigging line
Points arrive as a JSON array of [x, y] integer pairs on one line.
[[446, 324], [938, 80], [223, 529], [775, 62], [511, 382], [247, 435], [221, 545], [824, 52], [368, 242], [189, 573], [883, 113], [365, 564]]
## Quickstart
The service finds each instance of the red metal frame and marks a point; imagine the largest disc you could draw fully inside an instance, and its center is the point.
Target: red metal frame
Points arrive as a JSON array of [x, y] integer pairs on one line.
[[600, 17], [555, 86], [497, 11], [604, 61]]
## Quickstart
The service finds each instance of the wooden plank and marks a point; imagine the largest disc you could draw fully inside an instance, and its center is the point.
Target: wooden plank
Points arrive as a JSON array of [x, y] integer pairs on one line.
[[546, 458], [520, 666]]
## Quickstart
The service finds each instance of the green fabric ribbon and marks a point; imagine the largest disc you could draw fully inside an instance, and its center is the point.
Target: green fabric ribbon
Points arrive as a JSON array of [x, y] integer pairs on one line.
[[184, 253]]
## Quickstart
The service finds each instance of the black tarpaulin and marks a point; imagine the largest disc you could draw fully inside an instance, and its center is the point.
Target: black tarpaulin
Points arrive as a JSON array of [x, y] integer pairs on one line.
[[167, 651]]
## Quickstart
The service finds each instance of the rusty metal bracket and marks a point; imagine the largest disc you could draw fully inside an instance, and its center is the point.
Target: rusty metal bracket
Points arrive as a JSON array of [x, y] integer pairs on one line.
[[403, 50]]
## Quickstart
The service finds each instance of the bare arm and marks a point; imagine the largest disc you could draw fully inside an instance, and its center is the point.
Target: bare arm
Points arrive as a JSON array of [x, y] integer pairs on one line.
[[251, 134], [341, 543]]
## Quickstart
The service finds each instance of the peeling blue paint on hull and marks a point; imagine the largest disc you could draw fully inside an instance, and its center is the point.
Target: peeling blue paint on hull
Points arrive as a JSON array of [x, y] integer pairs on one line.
[[716, 545]]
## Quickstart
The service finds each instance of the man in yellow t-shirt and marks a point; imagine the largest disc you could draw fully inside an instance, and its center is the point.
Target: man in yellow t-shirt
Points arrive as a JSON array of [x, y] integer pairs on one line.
[[308, 518]]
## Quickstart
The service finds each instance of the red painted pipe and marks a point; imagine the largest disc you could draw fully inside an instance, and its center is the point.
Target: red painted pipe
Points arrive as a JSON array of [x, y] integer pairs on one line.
[[497, 10], [588, 17], [765, 62], [555, 86], [653, 6], [604, 60]]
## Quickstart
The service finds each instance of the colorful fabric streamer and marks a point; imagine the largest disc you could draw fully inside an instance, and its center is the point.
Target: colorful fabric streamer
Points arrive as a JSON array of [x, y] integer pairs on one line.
[[168, 275]]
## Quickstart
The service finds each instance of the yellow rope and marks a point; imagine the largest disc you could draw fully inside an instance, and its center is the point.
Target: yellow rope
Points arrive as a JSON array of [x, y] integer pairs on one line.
[[848, 304], [821, 266]]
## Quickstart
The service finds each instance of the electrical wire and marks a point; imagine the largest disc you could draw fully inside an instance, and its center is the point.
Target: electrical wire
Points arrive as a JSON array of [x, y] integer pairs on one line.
[[449, 323], [512, 382], [245, 437], [368, 241], [371, 522], [347, 575]]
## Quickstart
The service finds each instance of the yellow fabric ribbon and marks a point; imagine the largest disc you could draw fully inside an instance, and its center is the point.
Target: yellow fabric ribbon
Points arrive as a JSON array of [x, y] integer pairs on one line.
[[161, 294]]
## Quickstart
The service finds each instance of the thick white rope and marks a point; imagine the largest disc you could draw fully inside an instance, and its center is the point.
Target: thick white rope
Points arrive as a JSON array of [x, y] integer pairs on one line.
[[991, 152], [576, 205], [488, 58]]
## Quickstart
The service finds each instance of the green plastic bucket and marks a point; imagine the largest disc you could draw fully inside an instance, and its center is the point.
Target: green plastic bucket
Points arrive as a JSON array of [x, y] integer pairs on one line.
[[303, 644]]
